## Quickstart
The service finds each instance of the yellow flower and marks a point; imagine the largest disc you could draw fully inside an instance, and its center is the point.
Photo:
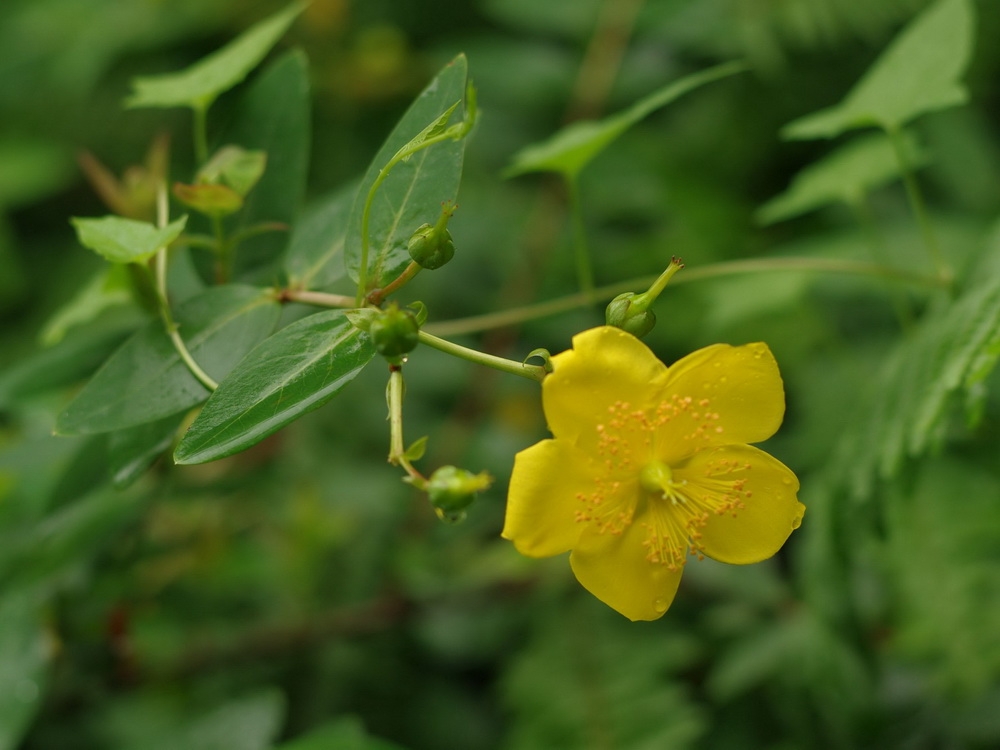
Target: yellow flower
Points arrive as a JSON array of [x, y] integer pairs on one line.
[[650, 463]]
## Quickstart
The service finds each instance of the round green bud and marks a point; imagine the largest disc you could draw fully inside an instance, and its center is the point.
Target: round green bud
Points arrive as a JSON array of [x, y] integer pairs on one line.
[[394, 332], [431, 246], [451, 490], [623, 313]]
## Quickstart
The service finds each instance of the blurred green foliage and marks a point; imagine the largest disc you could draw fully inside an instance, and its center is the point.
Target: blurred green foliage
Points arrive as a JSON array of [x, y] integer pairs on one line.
[[298, 595]]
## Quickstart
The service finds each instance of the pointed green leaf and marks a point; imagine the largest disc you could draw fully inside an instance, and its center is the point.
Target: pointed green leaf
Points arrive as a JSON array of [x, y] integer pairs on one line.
[[573, 147], [146, 380], [844, 176], [416, 450], [919, 72], [297, 370], [199, 85], [126, 240], [414, 190]]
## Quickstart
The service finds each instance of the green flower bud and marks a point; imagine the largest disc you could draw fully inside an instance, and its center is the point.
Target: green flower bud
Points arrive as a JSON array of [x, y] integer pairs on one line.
[[431, 246], [452, 490], [622, 312], [394, 332]]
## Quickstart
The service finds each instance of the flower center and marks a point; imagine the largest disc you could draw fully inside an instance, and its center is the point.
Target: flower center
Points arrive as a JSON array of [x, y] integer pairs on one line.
[[628, 443], [674, 517]]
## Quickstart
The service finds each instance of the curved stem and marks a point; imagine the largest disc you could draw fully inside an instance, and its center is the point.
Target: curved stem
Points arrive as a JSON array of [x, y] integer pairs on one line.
[[515, 315], [532, 372], [160, 282]]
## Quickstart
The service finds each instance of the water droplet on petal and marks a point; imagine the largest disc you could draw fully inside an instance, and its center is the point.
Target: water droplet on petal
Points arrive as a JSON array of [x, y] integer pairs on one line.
[[796, 522], [786, 481], [660, 605]]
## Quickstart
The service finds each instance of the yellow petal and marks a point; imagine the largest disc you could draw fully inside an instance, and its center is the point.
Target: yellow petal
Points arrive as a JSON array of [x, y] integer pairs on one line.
[[605, 365], [735, 390], [543, 498], [764, 488], [614, 568]]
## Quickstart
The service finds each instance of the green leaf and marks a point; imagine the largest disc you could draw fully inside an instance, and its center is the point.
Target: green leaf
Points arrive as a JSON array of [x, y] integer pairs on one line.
[[558, 680], [297, 370], [273, 116], [211, 200], [250, 723], [909, 406], [416, 450], [67, 362], [919, 72], [314, 258], [133, 450], [935, 544], [845, 175], [236, 167], [25, 650], [199, 85], [146, 380], [572, 148], [108, 289], [126, 240], [414, 190], [46, 553], [347, 733]]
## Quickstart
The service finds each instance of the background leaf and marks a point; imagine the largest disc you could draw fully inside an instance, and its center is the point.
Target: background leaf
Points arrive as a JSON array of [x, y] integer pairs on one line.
[[347, 733], [199, 85], [126, 240], [297, 370], [413, 192], [573, 147], [24, 653], [845, 175], [315, 252], [580, 687], [919, 72], [273, 116], [146, 380]]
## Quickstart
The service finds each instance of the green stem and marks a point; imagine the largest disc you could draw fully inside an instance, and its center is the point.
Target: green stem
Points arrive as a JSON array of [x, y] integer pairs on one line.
[[379, 295], [532, 372], [476, 323], [201, 134], [917, 204], [160, 283], [642, 301], [320, 299], [397, 449], [584, 271]]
